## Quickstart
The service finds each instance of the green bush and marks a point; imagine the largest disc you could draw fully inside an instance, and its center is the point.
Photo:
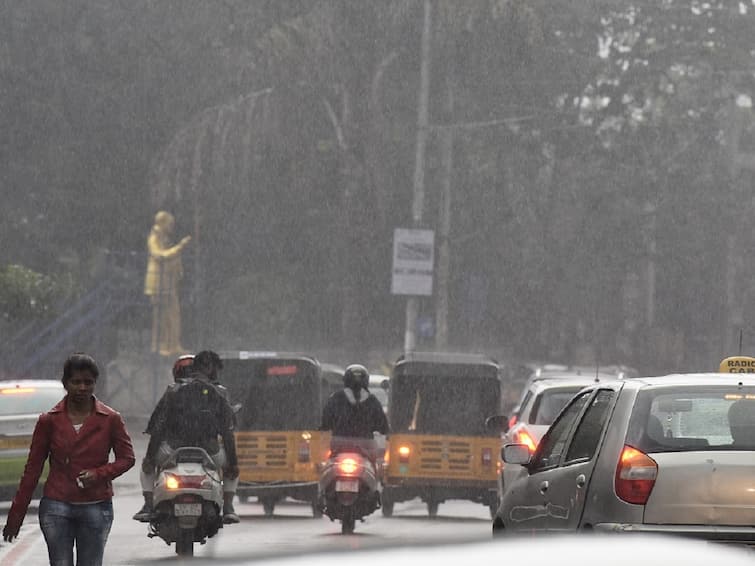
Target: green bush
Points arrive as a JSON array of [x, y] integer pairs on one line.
[[26, 294]]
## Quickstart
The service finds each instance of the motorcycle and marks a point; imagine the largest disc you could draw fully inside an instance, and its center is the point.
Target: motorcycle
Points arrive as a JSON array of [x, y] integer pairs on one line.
[[188, 500], [349, 484]]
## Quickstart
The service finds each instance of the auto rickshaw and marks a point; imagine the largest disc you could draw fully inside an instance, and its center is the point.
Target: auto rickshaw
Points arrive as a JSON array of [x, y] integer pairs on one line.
[[278, 442], [440, 447]]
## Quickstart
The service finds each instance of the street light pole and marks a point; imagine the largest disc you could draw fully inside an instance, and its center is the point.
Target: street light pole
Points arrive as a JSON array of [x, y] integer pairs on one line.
[[412, 303]]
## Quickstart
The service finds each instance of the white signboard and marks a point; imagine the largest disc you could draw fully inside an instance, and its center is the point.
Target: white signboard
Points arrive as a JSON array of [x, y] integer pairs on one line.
[[413, 256]]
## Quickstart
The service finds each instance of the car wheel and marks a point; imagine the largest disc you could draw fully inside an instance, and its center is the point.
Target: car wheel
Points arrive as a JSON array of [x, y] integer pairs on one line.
[[387, 507], [498, 529]]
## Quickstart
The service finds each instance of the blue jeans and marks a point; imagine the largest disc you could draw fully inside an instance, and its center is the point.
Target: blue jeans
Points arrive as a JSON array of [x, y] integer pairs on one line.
[[87, 524]]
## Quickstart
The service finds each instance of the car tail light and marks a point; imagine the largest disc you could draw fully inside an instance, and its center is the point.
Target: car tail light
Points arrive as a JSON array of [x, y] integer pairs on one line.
[[348, 466], [403, 454], [387, 457], [635, 476], [17, 391], [304, 452], [524, 437], [487, 457], [512, 421]]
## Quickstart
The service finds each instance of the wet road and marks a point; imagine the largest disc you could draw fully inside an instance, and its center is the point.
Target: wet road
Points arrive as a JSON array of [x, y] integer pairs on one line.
[[292, 531]]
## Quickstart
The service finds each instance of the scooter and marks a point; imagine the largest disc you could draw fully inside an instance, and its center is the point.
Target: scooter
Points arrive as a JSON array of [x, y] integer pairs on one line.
[[349, 486], [188, 500]]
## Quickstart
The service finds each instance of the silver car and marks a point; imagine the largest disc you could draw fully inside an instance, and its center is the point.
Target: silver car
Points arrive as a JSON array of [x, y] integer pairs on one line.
[[21, 402], [541, 404], [673, 454]]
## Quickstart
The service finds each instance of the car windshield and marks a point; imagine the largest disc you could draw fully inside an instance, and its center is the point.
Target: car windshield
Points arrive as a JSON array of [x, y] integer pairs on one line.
[[29, 400], [686, 419], [549, 403]]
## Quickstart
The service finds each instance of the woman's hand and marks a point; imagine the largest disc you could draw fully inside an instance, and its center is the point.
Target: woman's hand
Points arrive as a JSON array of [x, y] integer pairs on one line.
[[86, 478], [10, 531]]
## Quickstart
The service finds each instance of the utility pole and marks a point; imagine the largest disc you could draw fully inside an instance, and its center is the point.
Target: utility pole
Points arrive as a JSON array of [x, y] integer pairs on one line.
[[412, 303], [444, 250]]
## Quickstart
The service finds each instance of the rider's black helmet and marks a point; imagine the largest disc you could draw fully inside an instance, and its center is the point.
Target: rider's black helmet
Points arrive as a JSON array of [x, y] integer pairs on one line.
[[356, 376]]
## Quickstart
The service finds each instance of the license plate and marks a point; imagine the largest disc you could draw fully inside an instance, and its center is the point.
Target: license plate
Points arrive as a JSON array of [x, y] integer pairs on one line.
[[187, 509], [350, 486]]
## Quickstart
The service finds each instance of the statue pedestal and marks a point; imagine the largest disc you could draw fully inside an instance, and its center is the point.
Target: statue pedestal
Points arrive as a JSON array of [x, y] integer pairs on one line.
[[133, 384]]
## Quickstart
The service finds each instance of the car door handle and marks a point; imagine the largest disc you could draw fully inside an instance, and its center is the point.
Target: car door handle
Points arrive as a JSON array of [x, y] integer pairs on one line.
[[544, 487], [581, 480]]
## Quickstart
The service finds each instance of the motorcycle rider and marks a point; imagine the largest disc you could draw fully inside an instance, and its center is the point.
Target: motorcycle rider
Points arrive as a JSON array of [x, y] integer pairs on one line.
[[354, 414], [174, 424], [180, 371]]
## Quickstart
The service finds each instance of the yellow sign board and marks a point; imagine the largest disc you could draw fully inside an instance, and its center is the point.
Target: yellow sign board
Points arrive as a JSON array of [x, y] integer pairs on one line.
[[737, 364]]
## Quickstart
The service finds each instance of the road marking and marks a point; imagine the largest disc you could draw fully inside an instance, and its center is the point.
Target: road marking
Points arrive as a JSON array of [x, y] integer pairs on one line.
[[19, 549]]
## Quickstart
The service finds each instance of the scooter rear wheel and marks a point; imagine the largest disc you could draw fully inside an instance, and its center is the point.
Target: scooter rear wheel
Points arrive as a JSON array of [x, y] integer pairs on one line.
[[347, 525], [185, 542]]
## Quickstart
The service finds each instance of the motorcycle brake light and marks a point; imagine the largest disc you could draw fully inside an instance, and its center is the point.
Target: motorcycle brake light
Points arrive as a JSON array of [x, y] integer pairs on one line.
[[187, 498], [173, 481], [348, 466]]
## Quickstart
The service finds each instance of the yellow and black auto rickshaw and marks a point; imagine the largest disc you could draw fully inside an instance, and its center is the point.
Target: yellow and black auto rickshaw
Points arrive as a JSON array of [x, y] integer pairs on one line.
[[440, 447], [277, 439]]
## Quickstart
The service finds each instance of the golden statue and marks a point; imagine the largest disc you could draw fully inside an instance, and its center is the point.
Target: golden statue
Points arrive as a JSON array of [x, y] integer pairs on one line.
[[164, 271]]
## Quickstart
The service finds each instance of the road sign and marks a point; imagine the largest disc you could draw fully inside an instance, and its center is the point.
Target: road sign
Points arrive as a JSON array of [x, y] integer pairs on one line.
[[413, 258]]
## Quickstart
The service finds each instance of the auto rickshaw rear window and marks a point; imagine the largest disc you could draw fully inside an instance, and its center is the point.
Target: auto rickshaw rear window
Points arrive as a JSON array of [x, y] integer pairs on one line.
[[443, 405], [276, 394]]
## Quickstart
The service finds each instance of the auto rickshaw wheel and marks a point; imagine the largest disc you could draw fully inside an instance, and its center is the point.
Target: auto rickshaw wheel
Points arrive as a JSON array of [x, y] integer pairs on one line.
[[268, 506], [432, 508], [387, 507], [493, 506], [347, 524]]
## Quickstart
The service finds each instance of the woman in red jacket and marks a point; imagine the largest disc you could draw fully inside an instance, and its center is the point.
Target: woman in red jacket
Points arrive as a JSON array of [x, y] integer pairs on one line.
[[77, 436]]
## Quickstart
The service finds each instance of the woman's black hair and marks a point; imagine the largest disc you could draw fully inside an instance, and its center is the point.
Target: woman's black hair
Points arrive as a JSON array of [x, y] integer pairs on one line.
[[79, 362]]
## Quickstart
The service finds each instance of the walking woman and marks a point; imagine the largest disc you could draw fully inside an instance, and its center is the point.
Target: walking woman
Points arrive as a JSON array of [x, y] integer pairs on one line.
[[77, 436]]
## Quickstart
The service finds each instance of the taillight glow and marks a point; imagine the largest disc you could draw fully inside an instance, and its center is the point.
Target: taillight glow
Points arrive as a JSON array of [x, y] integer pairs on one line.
[[171, 482], [403, 454], [348, 466], [635, 476], [512, 421], [17, 390], [487, 456], [524, 437], [190, 482]]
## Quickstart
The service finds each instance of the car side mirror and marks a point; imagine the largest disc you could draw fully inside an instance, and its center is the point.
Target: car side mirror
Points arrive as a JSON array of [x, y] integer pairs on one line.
[[516, 454], [498, 423]]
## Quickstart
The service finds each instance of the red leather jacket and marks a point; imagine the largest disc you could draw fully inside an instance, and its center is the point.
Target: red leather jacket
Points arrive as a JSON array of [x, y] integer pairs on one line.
[[70, 453]]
